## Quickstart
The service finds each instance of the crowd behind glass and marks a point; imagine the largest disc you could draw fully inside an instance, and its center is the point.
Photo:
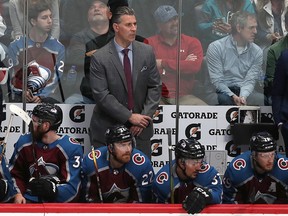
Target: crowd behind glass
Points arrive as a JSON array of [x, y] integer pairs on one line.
[[203, 20]]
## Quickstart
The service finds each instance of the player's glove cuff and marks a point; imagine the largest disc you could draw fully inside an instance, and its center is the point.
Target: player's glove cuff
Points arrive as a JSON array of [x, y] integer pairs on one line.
[[3, 189], [45, 189], [196, 201]]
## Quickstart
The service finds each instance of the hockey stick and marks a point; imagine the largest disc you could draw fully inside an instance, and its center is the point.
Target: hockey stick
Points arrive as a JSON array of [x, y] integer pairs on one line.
[[15, 110], [3, 144], [97, 174], [21, 113], [170, 148]]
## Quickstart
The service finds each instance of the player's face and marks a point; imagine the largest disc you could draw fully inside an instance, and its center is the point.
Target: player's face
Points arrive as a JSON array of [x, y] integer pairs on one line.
[[38, 131], [98, 11], [192, 167], [44, 21], [125, 30], [122, 151], [265, 160]]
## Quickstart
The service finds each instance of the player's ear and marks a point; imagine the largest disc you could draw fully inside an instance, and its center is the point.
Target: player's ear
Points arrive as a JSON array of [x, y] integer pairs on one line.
[[181, 163], [110, 147]]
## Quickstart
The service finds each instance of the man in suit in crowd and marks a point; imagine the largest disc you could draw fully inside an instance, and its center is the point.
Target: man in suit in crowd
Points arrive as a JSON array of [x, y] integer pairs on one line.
[[114, 102]]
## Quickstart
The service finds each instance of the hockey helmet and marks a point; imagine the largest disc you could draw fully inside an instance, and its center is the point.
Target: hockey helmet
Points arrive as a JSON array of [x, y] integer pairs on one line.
[[262, 142], [49, 112], [118, 133], [189, 149]]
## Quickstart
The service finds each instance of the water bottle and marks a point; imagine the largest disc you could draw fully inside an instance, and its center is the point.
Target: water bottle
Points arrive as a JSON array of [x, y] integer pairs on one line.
[[72, 75]]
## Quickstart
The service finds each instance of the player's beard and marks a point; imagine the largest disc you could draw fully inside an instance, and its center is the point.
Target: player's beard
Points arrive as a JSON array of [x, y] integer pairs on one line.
[[263, 168], [38, 134], [123, 159]]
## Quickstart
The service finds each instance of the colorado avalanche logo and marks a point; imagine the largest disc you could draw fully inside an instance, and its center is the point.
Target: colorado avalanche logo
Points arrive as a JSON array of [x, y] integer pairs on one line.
[[239, 164], [162, 177], [138, 159], [282, 164], [204, 168], [73, 141], [97, 154]]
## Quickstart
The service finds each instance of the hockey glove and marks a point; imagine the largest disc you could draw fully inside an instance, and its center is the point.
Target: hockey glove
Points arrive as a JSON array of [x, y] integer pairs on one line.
[[45, 188], [3, 189], [196, 201]]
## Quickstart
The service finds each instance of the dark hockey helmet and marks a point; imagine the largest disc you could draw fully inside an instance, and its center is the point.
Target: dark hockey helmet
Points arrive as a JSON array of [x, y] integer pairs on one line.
[[262, 142], [118, 133], [189, 149], [49, 112]]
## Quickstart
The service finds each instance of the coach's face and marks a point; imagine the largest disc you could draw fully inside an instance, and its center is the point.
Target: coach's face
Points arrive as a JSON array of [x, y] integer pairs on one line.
[[125, 30]]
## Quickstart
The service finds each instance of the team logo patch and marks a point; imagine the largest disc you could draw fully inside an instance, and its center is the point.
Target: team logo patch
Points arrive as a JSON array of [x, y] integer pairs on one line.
[[239, 164], [73, 141], [282, 164], [162, 177], [204, 168], [97, 154], [138, 159]]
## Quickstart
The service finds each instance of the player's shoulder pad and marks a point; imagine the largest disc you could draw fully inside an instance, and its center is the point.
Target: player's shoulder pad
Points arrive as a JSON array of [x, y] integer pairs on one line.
[[99, 154], [163, 175], [138, 158], [69, 144], [207, 172], [282, 163], [241, 162]]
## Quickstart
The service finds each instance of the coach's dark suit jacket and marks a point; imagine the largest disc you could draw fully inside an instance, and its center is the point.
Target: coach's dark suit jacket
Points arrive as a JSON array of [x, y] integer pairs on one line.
[[108, 83]]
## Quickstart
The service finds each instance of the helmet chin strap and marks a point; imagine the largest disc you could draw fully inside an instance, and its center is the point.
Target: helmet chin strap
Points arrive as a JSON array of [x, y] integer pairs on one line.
[[42, 133], [183, 170], [112, 155]]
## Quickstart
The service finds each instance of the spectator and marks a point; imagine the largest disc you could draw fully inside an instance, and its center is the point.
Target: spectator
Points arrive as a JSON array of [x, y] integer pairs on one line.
[[85, 43], [74, 16], [45, 59], [125, 174], [45, 166], [273, 54], [16, 11], [258, 176], [195, 183], [235, 63], [270, 16], [2, 26], [114, 102], [4, 11], [215, 16], [145, 9], [165, 45], [279, 97]]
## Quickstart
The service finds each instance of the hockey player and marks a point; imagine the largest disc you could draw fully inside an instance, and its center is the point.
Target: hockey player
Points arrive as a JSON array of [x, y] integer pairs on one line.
[[118, 173], [257, 176], [45, 166], [194, 182], [7, 189]]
